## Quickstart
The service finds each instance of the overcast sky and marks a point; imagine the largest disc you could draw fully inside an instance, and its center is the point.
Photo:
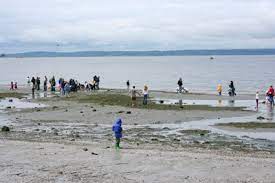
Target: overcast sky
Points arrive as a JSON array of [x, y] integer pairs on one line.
[[71, 25]]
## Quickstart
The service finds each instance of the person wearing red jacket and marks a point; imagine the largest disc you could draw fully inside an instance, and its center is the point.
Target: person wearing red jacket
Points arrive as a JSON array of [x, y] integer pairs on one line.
[[270, 94]]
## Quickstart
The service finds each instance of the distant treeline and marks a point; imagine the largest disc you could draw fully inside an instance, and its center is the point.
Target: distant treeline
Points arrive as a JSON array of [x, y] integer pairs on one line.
[[144, 53]]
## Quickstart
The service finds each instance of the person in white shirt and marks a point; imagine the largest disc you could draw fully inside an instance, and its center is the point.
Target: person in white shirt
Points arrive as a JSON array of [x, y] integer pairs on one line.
[[145, 95]]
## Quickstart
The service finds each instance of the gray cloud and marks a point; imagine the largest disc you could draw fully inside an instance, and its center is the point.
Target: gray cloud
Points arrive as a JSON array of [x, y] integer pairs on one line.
[[135, 25]]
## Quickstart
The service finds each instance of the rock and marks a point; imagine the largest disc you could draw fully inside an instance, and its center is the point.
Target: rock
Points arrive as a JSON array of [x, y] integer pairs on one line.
[[108, 147], [43, 131], [36, 129], [92, 107], [120, 112], [135, 124], [9, 107], [81, 112], [260, 118], [66, 110], [94, 153], [72, 140], [161, 101], [61, 173], [94, 110], [154, 139], [37, 110], [10, 100], [55, 107], [85, 149], [38, 124], [166, 128], [177, 140], [55, 133], [128, 112], [5, 129], [137, 144]]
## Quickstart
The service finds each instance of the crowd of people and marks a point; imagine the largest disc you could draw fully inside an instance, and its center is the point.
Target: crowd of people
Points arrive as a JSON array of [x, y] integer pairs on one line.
[[62, 85]]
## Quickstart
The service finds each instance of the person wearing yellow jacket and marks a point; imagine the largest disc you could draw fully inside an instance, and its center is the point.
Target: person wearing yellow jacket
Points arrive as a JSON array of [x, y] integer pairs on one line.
[[219, 89]]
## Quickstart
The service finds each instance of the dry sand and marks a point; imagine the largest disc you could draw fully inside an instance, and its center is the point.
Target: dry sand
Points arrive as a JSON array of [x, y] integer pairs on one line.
[[51, 162]]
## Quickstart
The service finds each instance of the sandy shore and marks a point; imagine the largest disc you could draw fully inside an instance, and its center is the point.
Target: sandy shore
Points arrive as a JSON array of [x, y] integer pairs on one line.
[[51, 162], [46, 144]]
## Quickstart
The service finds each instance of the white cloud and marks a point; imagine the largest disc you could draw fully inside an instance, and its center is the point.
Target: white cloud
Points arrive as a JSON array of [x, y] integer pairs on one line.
[[136, 25]]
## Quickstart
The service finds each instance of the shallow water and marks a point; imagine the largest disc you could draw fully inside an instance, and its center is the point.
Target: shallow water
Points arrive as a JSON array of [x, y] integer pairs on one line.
[[264, 110], [200, 74], [18, 104]]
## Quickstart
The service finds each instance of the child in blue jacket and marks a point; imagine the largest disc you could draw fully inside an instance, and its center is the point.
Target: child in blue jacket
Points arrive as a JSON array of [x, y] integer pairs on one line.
[[117, 129]]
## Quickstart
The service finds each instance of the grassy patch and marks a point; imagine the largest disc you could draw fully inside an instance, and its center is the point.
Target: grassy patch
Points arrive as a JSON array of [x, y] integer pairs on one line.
[[12, 95], [249, 125], [125, 101]]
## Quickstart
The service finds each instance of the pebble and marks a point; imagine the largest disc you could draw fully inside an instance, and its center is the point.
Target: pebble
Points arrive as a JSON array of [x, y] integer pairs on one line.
[[260, 118], [5, 129], [85, 149]]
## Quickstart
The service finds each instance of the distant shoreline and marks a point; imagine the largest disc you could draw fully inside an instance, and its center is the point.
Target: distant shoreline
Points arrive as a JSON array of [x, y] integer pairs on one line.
[[210, 53]]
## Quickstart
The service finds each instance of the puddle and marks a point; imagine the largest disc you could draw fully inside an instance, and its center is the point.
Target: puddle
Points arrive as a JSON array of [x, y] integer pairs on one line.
[[18, 104], [250, 104], [264, 110]]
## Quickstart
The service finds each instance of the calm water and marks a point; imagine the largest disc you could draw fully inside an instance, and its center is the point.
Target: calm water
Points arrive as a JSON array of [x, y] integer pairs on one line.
[[200, 74]]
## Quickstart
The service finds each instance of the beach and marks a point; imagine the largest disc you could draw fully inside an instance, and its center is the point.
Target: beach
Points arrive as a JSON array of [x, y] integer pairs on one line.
[[54, 138]]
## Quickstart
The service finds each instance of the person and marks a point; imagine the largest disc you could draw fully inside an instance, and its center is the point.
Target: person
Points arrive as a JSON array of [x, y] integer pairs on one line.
[[33, 82], [67, 88], [145, 95], [134, 93], [219, 89], [15, 86], [53, 83], [231, 89], [117, 129], [11, 86], [257, 100], [38, 83], [62, 87], [180, 85], [270, 94], [97, 80], [128, 85], [28, 80], [45, 83]]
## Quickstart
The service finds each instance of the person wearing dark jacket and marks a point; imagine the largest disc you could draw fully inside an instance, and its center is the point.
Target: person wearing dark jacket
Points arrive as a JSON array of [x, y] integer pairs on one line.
[[33, 82], [45, 83], [117, 129], [231, 89], [38, 83], [180, 85]]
